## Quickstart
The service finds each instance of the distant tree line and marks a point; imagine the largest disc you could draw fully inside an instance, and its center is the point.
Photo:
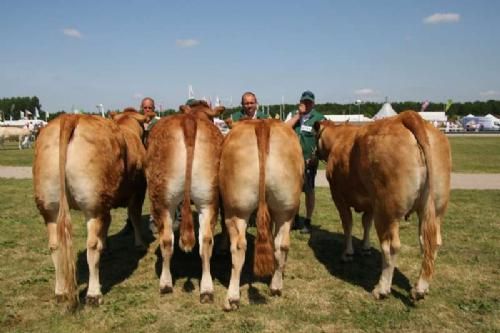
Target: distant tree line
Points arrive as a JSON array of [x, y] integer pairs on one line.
[[13, 105]]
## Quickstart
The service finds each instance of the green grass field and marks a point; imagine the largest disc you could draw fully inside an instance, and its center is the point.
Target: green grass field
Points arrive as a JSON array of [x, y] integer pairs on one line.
[[320, 293], [10, 155]]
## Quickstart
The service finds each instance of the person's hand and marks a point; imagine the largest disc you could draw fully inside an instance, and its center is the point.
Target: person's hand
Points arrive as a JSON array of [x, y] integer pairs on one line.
[[302, 108]]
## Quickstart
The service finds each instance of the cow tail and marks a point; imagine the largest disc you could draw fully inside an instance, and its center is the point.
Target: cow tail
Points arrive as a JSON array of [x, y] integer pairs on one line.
[[64, 229], [263, 264], [187, 239], [427, 214]]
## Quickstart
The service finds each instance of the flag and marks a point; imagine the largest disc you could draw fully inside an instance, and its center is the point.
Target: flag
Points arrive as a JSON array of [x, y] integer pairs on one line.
[[190, 92], [21, 115], [424, 106], [37, 114], [448, 105]]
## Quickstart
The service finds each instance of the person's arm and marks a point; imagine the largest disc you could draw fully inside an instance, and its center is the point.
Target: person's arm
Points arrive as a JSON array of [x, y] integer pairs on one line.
[[294, 119]]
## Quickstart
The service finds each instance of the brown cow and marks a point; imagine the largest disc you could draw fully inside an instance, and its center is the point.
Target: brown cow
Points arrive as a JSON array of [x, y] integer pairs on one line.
[[90, 164], [261, 168], [388, 170], [182, 165]]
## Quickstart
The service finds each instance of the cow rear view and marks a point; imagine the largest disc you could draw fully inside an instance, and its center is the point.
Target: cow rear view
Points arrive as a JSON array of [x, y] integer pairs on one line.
[[90, 164], [389, 170], [182, 164], [261, 169]]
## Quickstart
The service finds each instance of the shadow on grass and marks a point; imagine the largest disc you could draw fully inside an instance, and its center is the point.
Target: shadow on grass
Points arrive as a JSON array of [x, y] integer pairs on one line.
[[363, 271], [118, 261], [188, 265]]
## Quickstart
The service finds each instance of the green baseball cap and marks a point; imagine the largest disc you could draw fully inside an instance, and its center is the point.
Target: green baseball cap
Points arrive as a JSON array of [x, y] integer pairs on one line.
[[191, 101], [307, 96]]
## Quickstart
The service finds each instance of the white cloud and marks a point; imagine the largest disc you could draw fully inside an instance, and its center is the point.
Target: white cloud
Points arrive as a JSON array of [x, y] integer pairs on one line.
[[489, 93], [138, 96], [73, 33], [186, 42], [442, 18], [364, 92]]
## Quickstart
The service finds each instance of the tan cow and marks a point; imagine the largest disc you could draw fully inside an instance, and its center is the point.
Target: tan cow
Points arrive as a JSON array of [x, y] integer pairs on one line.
[[261, 168], [182, 165], [388, 170], [90, 164], [12, 132]]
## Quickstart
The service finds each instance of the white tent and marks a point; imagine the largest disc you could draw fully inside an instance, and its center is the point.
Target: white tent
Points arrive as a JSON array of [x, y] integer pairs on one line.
[[352, 118], [385, 111], [439, 116], [489, 115]]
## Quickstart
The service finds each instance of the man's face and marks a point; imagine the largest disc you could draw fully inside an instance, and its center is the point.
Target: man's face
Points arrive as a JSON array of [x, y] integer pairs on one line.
[[308, 104], [249, 104], [147, 105]]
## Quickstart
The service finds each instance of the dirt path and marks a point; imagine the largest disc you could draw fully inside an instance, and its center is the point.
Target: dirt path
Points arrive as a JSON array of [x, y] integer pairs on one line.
[[466, 181], [461, 181]]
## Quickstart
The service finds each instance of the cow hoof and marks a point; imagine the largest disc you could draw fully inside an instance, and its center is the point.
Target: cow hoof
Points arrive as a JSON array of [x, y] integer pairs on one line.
[[231, 305], [275, 292], [166, 290], [206, 298], [379, 294], [61, 298], [417, 295], [347, 257], [366, 252], [95, 300]]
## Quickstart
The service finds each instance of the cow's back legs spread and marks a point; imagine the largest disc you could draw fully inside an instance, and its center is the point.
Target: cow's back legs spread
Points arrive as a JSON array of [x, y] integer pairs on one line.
[[388, 234], [282, 222], [236, 228], [208, 216], [163, 218], [96, 237]]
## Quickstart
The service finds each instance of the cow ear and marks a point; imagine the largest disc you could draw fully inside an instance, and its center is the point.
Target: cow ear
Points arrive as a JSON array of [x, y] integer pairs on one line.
[[185, 109], [112, 114]]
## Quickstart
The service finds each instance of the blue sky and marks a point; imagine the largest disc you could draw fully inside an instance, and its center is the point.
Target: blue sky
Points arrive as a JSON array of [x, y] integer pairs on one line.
[[82, 53]]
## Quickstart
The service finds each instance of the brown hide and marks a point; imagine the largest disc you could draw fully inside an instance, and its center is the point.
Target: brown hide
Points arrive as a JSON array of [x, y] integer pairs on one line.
[[91, 164], [261, 167], [390, 168]]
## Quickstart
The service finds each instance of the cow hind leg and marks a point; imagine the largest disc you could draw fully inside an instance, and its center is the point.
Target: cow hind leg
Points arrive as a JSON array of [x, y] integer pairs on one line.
[[366, 219], [96, 238], [206, 241], [61, 289], [163, 218], [236, 228], [346, 219], [388, 233], [430, 238], [134, 213], [281, 248]]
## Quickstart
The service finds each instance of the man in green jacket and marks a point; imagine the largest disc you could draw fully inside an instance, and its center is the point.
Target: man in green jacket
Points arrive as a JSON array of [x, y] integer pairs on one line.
[[249, 110], [302, 121]]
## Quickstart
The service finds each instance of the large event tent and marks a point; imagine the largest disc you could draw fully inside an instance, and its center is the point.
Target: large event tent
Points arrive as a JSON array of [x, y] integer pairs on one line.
[[385, 111]]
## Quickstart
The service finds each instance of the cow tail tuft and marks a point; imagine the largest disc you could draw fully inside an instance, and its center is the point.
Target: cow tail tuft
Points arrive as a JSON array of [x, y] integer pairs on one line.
[[65, 257], [187, 239], [427, 214], [264, 262]]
